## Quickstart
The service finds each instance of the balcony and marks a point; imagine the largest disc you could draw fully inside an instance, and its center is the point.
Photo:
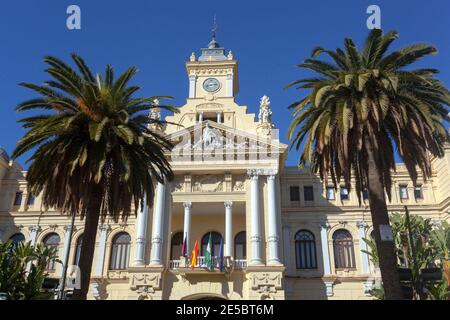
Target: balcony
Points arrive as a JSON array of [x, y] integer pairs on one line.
[[185, 263]]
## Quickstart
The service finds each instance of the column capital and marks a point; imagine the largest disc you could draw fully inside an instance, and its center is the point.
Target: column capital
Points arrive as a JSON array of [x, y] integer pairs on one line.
[[271, 173], [361, 224], [69, 228], [34, 228], [192, 77], [104, 228], [254, 173], [187, 204], [228, 204], [263, 172], [325, 225]]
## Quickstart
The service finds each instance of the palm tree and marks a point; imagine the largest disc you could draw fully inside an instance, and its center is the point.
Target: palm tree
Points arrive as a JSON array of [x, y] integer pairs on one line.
[[359, 107], [95, 155]]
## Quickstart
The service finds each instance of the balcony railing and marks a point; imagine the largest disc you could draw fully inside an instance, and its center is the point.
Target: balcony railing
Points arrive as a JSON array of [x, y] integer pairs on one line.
[[239, 264]]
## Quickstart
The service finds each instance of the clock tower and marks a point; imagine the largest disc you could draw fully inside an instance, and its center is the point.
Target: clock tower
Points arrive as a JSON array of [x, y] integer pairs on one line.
[[213, 86], [214, 74]]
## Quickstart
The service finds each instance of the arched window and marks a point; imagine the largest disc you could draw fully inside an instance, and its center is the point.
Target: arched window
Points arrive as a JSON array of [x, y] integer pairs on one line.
[[344, 255], [76, 259], [305, 250], [52, 240], [176, 246], [17, 238], [120, 251], [215, 243], [240, 246]]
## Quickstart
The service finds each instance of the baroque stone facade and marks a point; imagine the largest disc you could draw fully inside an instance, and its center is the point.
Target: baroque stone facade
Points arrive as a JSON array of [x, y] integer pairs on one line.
[[279, 227]]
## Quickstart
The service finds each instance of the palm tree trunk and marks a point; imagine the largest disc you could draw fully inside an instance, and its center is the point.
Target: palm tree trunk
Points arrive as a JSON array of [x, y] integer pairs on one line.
[[378, 209], [88, 244]]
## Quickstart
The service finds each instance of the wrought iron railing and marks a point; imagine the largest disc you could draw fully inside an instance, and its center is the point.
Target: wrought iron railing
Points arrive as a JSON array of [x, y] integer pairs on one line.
[[239, 264]]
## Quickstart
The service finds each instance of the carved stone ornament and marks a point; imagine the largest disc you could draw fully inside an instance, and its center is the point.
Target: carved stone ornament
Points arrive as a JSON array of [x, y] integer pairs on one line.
[[178, 184], [118, 274], [267, 284], [208, 183], [239, 185], [145, 284]]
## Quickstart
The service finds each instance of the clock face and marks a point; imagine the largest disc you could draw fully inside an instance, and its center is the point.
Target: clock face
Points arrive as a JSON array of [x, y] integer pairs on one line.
[[211, 85]]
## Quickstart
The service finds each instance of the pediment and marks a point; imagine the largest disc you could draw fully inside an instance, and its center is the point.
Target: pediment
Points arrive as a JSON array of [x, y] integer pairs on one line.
[[211, 135]]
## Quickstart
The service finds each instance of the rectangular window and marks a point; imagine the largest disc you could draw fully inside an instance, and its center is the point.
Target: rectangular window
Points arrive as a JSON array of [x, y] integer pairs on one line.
[[30, 200], [330, 193], [18, 198], [308, 193], [418, 194], [403, 192], [344, 193], [295, 193]]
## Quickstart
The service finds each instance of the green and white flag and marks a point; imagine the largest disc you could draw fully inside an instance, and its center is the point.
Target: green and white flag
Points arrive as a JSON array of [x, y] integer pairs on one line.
[[208, 254]]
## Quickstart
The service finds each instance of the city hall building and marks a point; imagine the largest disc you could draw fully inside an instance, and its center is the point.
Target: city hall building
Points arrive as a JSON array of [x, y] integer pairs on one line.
[[282, 232]]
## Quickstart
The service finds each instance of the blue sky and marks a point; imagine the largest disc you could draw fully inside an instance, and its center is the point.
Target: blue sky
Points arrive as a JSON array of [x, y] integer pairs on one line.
[[267, 37]]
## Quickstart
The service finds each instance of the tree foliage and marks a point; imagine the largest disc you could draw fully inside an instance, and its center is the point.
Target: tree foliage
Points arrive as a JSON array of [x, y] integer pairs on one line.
[[15, 280], [92, 133], [369, 95], [431, 246]]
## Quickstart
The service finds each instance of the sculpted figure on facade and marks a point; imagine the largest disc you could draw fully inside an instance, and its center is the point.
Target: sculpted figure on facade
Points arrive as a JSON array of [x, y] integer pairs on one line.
[[265, 113], [155, 112], [211, 138]]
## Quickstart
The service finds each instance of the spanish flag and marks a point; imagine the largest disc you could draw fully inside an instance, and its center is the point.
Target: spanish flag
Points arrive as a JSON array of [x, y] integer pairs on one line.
[[194, 255]]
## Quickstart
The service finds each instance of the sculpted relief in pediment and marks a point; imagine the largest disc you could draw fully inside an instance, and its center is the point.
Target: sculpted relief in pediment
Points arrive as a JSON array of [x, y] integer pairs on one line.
[[210, 143], [208, 183]]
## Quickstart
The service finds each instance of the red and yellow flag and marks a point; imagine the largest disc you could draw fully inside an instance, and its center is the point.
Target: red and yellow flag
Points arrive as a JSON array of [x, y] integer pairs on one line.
[[194, 255]]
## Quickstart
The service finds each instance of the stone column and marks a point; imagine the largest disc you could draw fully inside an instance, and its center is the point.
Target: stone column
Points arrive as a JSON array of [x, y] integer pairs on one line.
[[141, 233], [100, 263], [273, 236], [219, 117], [200, 117], [158, 224], [67, 237], [187, 225], [34, 231], [228, 229], [363, 246], [255, 236], [287, 248], [325, 253], [192, 80]]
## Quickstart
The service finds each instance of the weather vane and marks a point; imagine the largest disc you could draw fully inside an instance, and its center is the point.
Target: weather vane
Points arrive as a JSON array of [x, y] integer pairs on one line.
[[214, 28]]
